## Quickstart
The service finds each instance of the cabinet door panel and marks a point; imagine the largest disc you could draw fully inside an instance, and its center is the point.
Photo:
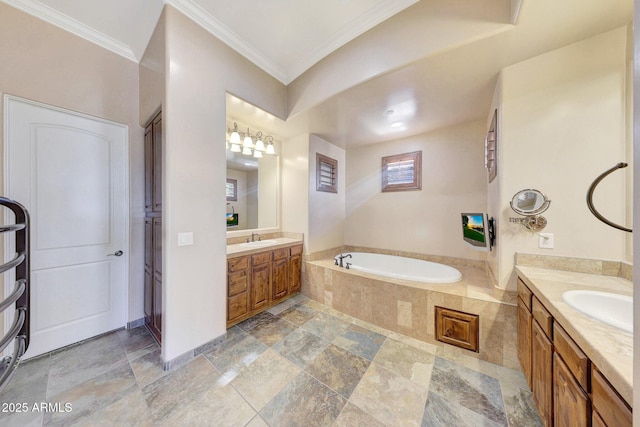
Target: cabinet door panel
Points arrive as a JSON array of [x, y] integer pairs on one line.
[[571, 403], [280, 278], [260, 285], [542, 374], [524, 339], [148, 168], [295, 270], [613, 410], [157, 163]]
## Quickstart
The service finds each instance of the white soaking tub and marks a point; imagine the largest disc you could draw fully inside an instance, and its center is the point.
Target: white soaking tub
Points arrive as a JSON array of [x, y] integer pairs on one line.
[[400, 267]]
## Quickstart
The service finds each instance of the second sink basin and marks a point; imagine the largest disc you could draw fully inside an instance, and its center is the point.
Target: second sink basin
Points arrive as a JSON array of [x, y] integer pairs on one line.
[[612, 309], [259, 243]]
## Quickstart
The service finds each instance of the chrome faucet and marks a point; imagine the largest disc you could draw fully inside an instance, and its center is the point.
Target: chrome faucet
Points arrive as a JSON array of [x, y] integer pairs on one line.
[[341, 257], [254, 235]]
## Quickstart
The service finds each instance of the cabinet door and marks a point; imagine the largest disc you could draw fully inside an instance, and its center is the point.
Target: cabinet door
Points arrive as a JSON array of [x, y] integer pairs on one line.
[[607, 403], [260, 285], [542, 373], [295, 272], [157, 163], [280, 278], [524, 339], [148, 269], [148, 168], [157, 277], [571, 403]]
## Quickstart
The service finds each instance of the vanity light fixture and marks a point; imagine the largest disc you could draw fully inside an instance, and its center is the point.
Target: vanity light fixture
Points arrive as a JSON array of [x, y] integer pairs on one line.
[[244, 143]]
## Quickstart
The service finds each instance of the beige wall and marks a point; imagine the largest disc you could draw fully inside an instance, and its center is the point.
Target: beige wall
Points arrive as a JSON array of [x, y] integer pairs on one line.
[[326, 210], [202, 69], [427, 221], [295, 186], [563, 122], [46, 64]]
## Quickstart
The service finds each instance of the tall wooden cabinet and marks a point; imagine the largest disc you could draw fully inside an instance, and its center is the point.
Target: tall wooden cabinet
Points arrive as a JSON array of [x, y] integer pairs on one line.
[[153, 226]]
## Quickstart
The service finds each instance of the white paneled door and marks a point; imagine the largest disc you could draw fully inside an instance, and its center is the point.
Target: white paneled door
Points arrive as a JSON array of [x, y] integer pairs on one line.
[[70, 172]]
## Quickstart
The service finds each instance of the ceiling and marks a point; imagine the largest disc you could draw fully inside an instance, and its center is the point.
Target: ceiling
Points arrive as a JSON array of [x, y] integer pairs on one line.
[[283, 37], [426, 64]]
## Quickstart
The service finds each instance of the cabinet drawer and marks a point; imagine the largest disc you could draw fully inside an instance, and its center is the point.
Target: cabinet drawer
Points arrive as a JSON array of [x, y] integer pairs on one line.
[[607, 403], [238, 283], [577, 362], [524, 293], [457, 328], [296, 250], [261, 258], [236, 264], [280, 253], [542, 316]]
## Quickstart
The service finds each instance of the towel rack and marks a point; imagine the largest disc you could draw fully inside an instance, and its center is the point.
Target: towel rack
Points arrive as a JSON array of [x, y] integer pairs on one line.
[[592, 188], [20, 296]]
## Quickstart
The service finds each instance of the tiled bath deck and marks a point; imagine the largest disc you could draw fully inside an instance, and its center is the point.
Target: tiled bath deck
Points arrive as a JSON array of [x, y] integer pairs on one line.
[[299, 364]]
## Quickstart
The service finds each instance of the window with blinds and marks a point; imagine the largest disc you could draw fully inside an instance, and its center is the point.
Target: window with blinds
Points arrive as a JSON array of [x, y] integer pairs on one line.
[[402, 172], [326, 174]]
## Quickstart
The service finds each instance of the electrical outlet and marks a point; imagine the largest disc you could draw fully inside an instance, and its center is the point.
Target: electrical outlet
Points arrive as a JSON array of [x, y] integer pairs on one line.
[[545, 240]]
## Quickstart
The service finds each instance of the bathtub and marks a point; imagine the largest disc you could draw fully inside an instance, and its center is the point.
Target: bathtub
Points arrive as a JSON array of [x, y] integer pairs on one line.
[[401, 267]]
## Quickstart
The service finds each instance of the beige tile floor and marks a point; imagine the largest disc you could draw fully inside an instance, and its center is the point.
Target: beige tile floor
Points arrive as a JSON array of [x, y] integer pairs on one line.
[[298, 364]]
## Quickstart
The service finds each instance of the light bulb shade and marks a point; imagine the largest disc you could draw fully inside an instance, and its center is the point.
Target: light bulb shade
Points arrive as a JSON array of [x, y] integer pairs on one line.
[[235, 148], [247, 151], [248, 142], [270, 149], [257, 154], [260, 145], [235, 138]]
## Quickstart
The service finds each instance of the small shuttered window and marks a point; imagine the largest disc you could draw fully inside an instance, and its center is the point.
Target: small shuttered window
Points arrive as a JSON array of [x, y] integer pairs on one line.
[[326, 174], [402, 172]]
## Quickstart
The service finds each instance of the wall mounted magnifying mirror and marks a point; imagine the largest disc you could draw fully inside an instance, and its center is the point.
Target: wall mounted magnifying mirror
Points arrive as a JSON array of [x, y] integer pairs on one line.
[[530, 203]]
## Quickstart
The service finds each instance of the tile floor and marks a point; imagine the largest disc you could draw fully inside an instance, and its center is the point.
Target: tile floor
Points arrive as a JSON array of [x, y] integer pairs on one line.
[[298, 364]]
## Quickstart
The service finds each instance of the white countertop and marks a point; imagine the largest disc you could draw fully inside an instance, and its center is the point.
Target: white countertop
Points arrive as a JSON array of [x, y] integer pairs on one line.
[[241, 249], [608, 348]]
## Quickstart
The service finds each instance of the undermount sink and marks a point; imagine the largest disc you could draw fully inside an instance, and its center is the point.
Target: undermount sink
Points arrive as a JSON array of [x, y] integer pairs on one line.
[[612, 309], [259, 243]]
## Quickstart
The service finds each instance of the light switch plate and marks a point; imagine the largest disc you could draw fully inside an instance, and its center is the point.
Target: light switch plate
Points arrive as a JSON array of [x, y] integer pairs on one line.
[[185, 239]]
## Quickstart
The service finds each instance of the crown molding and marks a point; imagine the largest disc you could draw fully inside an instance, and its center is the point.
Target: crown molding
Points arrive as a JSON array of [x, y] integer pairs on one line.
[[363, 23], [203, 18], [60, 20]]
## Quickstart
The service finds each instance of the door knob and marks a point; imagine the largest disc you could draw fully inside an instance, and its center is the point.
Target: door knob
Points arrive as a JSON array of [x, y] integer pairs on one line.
[[116, 253]]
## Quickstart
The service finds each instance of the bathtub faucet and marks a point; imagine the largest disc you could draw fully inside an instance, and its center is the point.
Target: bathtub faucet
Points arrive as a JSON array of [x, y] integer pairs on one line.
[[341, 257]]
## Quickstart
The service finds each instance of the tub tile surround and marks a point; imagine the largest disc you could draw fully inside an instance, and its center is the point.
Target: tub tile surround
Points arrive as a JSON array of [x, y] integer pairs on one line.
[[609, 348], [407, 307]]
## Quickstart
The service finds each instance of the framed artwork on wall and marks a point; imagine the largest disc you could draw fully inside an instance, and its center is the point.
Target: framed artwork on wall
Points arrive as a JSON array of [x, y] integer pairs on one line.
[[491, 148]]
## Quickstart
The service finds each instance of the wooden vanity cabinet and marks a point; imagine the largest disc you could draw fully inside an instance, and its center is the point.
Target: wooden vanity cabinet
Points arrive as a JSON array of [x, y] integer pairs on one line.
[[567, 388], [258, 281]]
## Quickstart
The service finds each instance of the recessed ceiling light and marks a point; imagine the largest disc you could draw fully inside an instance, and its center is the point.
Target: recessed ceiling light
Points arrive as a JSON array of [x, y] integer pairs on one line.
[[390, 112], [396, 124]]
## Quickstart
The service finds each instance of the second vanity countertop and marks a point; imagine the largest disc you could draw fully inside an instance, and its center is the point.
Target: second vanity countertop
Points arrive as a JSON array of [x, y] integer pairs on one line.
[[241, 249], [609, 349]]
